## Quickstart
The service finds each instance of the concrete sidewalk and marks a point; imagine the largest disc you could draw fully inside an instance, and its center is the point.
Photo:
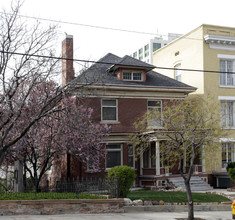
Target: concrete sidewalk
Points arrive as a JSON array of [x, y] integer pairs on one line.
[[126, 216]]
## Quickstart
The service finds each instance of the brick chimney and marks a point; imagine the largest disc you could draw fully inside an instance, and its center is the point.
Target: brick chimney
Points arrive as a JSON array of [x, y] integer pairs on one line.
[[67, 65]]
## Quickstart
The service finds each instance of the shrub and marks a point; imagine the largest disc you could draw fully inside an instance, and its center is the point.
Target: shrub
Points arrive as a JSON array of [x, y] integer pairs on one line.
[[230, 165], [125, 176], [231, 170]]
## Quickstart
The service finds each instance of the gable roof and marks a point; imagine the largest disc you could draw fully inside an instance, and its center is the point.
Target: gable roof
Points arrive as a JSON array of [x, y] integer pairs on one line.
[[101, 73]]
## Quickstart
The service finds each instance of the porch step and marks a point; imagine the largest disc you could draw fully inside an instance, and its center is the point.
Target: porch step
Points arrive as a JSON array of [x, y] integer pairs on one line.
[[196, 183]]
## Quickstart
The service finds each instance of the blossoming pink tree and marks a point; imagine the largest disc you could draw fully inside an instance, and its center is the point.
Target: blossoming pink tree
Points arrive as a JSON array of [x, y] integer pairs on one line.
[[69, 130]]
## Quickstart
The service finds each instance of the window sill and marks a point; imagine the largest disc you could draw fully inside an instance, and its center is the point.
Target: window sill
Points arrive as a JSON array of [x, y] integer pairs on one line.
[[155, 127], [110, 122], [229, 128], [227, 87]]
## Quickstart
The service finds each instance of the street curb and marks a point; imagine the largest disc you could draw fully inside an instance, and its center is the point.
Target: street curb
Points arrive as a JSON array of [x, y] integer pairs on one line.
[[177, 208]]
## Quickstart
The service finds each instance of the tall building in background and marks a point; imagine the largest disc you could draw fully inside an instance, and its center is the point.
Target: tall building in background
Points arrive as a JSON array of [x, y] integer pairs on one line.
[[145, 53]]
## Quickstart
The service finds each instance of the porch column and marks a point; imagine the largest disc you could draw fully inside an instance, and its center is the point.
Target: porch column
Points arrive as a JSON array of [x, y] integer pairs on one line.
[[157, 158], [233, 153]]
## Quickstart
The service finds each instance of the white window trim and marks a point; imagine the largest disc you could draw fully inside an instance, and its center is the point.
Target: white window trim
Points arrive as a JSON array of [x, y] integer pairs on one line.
[[154, 127], [225, 140], [229, 98], [178, 72], [226, 56], [131, 71], [226, 98], [114, 150], [132, 155], [227, 153], [109, 121]]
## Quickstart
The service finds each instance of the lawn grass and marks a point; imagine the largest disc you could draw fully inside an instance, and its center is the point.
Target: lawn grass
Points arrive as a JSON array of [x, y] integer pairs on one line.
[[175, 197], [48, 195]]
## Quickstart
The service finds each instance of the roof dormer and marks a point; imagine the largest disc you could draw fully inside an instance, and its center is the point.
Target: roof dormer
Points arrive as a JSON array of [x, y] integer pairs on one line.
[[131, 69], [127, 74]]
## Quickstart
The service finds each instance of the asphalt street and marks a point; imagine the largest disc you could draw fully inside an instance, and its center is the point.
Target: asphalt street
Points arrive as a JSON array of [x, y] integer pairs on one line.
[[125, 216]]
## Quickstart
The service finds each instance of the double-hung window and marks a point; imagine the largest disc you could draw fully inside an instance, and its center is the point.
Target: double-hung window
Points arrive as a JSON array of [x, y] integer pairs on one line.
[[133, 75], [227, 154], [131, 159], [113, 155], [226, 69], [155, 111], [227, 114], [109, 110]]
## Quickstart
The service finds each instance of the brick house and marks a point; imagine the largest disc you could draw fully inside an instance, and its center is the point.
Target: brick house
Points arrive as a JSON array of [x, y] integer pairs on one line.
[[120, 90]]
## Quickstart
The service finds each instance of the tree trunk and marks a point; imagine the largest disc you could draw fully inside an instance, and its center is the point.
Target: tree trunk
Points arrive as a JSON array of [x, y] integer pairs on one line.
[[2, 154], [190, 201]]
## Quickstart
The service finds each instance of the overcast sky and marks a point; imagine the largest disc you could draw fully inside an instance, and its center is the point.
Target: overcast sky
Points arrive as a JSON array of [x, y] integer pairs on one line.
[[151, 16]]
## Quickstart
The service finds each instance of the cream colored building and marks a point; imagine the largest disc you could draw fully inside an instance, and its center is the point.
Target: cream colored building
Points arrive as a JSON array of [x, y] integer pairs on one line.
[[205, 58]]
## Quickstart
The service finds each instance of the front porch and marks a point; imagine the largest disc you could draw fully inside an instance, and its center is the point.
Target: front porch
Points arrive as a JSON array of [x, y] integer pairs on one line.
[[156, 173], [149, 178]]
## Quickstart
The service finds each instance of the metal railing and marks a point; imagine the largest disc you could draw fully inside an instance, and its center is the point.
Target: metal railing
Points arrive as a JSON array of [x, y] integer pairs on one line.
[[63, 189]]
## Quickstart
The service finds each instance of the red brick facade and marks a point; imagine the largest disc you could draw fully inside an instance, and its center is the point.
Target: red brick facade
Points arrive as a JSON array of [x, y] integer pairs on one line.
[[131, 98]]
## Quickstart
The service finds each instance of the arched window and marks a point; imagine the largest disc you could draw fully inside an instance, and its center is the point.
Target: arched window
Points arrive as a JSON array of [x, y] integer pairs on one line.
[[178, 72]]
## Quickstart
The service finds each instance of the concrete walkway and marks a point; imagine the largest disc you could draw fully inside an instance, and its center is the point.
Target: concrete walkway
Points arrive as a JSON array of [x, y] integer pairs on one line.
[[126, 216]]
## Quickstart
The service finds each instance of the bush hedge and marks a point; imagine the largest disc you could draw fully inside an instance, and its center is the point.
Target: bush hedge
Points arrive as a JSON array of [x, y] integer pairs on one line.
[[231, 170], [125, 176]]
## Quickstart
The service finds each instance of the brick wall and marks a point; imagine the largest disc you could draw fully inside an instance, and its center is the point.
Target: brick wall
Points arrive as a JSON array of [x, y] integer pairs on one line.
[[48, 207], [129, 110]]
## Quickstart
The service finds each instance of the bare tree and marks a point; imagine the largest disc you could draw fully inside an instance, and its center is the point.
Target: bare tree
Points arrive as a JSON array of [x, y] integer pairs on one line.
[[70, 130], [25, 48]]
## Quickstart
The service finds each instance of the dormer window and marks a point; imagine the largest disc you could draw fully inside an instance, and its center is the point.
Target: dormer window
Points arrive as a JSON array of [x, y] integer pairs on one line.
[[132, 75]]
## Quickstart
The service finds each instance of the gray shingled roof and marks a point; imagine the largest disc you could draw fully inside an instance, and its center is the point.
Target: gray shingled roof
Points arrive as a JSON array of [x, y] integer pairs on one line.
[[130, 61], [100, 73]]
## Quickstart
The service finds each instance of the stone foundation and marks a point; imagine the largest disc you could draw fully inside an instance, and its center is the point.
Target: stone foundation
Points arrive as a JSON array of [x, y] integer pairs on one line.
[[49, 207]]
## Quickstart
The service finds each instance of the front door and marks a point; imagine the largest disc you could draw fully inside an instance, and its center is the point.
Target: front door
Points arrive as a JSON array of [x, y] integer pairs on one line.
[[149, 160]]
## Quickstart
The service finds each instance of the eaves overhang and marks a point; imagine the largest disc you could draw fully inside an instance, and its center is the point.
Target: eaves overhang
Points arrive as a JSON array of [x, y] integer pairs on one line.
[[142, 88], [220, 42], [210, 38]]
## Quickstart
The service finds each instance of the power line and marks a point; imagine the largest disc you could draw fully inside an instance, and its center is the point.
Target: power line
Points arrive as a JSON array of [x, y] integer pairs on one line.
[[85, 25], [95, 26], [110, 63]]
